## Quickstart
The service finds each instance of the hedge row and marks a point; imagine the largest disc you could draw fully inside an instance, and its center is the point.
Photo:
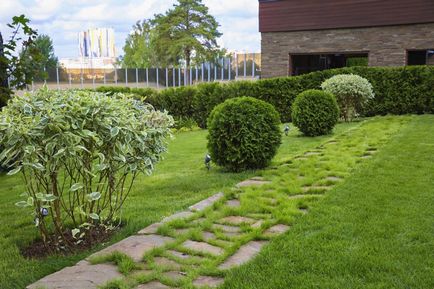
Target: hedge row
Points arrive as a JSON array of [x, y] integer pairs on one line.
[[399, 90]]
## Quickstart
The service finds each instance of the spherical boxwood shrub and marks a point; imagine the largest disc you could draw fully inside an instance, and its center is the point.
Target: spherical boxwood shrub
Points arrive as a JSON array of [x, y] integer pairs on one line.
[[243, 133], [352, 93], [315, 112]]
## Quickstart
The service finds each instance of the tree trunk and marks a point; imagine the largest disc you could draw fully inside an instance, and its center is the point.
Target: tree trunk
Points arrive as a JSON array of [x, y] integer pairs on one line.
[[4, 87], [187, 64]]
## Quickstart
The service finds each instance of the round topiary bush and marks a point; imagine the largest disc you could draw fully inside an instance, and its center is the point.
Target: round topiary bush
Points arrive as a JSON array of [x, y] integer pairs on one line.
[[243, 133], [315, 112], [352, 93]]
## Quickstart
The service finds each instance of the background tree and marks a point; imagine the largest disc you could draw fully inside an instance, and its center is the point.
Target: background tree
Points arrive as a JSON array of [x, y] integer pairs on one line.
[[139, 47], [187, 32], [12, 69], [42, 47]]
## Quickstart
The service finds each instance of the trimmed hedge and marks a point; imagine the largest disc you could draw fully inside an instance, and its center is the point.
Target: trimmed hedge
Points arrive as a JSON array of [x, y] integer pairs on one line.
[[315, 112], [243, 133], [398, 90]]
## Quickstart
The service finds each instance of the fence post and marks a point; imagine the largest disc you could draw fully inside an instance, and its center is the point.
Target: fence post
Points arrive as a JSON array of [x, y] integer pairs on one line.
[[202, 72], [209, 71], [215, 69], [147, 77], [179, 77], [245, 65], [253, 65], [236, 66], [158, 78], [223, 68], [229, 68], [126, 77], [174, 76], [116, 76], [197, 74], [167, 77], [191, 76], [137, 77], [57, 77]]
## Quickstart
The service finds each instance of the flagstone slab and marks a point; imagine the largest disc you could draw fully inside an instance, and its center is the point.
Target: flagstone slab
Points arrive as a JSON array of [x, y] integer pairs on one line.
[[333, 179], [209, 281], [178, 254], [208, 236], [151, 229], [252, 182], [277, 230], [83, 276], [153, 285], [180, 232], [237, 220], [227, 229], [233, 203], [135, 246], [204, 204], [258, 224], [180, 215], [243, 255], [175, 275], [164, 262], [202, 247]]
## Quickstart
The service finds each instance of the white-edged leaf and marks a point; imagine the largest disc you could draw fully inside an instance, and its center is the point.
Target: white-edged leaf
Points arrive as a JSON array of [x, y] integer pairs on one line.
[[75, 232], [21, 204], [114, 131], [14, 171], [30, 201], [76, 187], [94, 216], [94, 196]]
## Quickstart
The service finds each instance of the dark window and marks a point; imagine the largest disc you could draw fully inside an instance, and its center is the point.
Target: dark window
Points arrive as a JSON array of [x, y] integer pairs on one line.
[[416, 57], [305, 63]]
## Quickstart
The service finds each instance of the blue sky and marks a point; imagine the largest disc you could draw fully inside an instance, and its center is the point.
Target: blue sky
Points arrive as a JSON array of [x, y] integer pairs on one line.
[[63, 19]]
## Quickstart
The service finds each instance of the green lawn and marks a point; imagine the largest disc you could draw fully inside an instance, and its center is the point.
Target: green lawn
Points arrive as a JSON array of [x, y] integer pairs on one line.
[[374, 230], [179, 181]]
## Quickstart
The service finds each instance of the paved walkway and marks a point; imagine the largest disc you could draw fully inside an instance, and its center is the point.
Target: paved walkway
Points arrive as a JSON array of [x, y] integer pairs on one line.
[[197, 246]]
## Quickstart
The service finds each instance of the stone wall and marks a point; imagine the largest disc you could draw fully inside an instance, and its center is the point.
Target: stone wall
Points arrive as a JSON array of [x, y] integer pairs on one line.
[[386, 45]]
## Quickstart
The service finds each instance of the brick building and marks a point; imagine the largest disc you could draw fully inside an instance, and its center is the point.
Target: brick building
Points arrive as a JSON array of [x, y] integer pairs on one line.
[[300, 36]]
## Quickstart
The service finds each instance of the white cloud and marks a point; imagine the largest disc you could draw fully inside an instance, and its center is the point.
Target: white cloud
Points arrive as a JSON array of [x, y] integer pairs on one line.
[[62, 20]]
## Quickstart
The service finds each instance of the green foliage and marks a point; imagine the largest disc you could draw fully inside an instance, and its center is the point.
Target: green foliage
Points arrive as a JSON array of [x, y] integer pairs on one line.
[[140, 47], [186, 32], [357, 61], [399, 90], [315, 112], [243, 133], [79, 152], [352, 93], [42, 46], [13, 70]]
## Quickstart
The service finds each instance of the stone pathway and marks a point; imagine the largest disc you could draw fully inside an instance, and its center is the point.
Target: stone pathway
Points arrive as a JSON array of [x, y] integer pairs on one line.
[[222, 232]]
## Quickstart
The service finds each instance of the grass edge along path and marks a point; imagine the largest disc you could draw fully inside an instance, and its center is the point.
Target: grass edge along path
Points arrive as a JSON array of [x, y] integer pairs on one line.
[[373, 231], [295, 187]]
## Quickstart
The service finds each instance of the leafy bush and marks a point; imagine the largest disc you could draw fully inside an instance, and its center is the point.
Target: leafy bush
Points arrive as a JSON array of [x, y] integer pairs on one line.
[[79, 153], [315, 112], [352, 93], [398, 90], [243, 133]]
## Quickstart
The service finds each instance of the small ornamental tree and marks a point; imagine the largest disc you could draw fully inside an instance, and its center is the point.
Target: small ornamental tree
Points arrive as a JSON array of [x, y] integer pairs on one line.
[[243, 133], [79, 153], [352, 93], [315, 112]]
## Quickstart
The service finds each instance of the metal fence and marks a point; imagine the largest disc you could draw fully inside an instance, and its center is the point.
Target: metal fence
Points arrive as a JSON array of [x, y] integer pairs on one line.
[[238, 67]]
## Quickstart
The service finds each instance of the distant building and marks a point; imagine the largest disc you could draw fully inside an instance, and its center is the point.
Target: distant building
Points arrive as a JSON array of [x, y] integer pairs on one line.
[[300, 36], [97, 43]]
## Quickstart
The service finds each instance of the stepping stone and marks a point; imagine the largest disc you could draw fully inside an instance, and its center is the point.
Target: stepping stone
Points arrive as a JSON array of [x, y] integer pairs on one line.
[[175, 275], [237, 220], [296, 197], [226, 228], [141, 272], [153, 285], [233, 203], [243, 255], [180, 215], [202, 205], [181, 231], [333, 179], [312, 154], [258, 224], [198, 221], [164, 262], [315, 188], [178, 254], [304, 211], [209, 281], [203, 247], [208, 236], [135, 246], [366, 156], [83, 276], [276, 230], [151, 229], [252, 182]]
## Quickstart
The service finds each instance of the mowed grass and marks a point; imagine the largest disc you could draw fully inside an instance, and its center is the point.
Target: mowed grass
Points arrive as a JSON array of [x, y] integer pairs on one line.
[[374, 230], [178, 181]]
